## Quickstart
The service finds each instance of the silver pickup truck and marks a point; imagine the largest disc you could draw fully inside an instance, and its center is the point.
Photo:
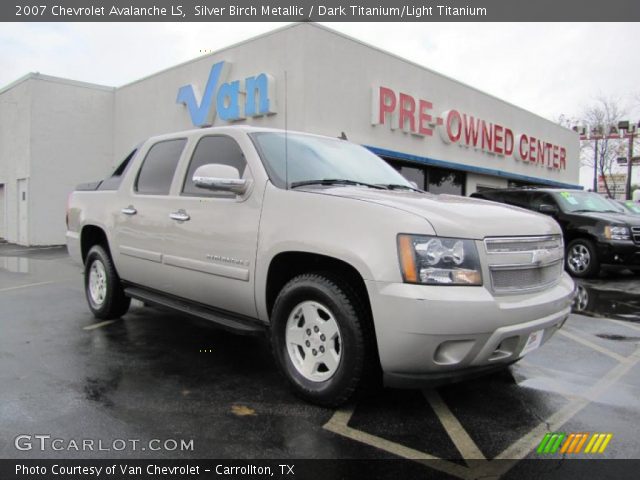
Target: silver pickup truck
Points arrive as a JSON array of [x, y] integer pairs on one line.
[[353, 273]]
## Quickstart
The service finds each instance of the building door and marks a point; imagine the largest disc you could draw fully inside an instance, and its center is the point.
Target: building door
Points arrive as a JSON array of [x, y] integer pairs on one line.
[[2, 214], [23, 213]]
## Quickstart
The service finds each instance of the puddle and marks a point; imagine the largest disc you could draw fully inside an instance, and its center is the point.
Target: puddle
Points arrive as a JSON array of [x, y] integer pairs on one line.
[[616, 304], [15, 264]]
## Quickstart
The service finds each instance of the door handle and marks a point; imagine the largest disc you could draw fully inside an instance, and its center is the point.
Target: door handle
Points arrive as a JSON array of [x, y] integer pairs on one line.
[[130, 210], [180, 216]]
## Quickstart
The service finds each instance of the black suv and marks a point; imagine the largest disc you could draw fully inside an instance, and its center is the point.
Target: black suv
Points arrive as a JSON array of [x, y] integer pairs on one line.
[[595, 232]]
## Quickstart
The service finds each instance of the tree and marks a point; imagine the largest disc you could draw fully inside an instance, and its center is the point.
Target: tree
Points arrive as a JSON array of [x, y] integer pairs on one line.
[[600, 120]]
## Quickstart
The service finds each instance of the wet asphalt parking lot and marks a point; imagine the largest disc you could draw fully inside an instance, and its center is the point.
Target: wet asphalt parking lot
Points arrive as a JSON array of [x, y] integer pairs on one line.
[[157, 375]]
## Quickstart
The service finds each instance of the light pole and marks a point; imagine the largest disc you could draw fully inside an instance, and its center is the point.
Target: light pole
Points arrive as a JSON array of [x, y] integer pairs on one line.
[[630, 130]]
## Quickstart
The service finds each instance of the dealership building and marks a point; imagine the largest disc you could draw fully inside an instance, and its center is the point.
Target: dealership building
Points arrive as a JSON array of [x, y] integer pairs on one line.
[[446, 136]]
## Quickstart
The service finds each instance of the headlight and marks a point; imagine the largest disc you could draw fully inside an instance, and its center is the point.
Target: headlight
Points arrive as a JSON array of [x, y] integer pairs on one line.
[[616, 232], [438, 261]]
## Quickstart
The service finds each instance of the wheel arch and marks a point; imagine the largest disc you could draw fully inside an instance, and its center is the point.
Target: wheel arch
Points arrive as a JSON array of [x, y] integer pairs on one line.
[[288, 264], [91, 235]]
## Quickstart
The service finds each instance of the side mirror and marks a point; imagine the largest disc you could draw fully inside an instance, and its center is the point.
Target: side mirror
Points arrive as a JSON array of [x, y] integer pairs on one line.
[[222, 178], [548, 209]]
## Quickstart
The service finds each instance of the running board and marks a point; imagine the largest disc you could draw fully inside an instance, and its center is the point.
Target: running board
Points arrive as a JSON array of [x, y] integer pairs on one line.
[[228, 321]]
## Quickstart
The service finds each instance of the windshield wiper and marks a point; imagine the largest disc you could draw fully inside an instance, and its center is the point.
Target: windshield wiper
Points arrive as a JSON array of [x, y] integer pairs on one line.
[[398, 186], [582, 210], [335, 181]]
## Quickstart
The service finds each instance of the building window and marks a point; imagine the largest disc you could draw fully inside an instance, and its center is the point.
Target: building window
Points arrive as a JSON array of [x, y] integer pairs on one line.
[[441, 180], [432, 179], [413, 174]]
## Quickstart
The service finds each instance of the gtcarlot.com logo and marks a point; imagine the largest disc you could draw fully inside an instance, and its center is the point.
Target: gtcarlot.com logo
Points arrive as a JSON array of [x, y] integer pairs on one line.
[[572, 443], [46, 442]]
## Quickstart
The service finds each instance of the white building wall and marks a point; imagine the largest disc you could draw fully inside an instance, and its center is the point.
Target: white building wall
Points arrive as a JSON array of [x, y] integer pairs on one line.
[[342, 73], [15, 151], [71, 143], [329, 87], [57, 133], [148, 107]]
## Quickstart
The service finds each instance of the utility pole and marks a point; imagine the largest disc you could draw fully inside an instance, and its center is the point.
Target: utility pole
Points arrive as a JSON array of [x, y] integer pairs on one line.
[[630, 130], [629, 193], [595, 168]]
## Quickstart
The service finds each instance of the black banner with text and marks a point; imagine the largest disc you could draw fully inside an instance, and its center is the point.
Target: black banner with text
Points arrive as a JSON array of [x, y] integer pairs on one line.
[[311, 10]]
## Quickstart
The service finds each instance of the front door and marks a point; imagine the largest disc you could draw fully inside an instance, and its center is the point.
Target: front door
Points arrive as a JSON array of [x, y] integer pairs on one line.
[[212, 240]]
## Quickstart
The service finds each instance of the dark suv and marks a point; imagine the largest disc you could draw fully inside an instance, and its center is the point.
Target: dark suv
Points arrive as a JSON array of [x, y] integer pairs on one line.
[[595, 233]]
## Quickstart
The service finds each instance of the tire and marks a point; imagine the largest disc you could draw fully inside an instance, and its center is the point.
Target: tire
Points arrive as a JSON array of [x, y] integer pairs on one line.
[[319, 317], [581, 260], [102, 286]]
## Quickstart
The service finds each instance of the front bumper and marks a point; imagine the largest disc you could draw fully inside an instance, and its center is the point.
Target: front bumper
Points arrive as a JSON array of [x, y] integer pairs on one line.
[[618, 252], [430, 333]]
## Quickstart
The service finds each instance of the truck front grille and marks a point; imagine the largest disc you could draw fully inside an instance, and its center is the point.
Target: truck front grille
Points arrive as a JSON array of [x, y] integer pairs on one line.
[[635, 233], [525, 278], [518, 264]]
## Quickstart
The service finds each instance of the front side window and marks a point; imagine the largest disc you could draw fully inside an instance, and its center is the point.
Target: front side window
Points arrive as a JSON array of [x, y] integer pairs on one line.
[[214, 149], [159, 166], [291, 158]]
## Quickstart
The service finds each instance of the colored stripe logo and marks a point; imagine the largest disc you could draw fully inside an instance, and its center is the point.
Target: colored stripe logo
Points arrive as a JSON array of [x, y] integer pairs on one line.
[[559, 442]]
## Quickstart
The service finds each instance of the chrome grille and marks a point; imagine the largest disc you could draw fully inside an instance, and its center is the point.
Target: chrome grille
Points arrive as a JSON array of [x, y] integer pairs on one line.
[[635, 232], [519, 264], [522, 244], [525, 278]]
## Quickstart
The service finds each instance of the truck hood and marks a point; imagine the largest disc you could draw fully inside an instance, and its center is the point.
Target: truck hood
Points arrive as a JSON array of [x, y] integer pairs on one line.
[[613, 218], [453, 215]]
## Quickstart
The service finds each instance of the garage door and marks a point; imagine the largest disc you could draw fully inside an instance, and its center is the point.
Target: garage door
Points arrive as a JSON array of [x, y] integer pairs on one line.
[[2, 214]]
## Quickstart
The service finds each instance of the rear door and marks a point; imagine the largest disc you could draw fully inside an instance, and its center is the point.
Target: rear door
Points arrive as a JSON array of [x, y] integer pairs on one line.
[[141, 218], [212, 238]]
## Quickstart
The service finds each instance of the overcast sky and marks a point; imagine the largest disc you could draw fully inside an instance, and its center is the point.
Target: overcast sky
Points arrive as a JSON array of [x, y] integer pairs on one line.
[[547, 68]]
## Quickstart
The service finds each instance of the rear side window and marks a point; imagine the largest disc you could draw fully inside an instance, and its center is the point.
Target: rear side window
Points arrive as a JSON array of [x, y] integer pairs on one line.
[[489, 195], [519, 199], [113, 182], [159, 166], [541, 198], [213, 149]]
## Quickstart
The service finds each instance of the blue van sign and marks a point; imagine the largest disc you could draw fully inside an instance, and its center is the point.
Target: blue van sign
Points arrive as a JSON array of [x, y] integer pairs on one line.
[[232, 101]]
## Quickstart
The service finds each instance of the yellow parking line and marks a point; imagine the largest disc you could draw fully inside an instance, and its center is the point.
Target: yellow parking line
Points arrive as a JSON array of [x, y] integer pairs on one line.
[[99, 325], [461, 439], [527, 443], [623, 323], [594, 346], [338, 424], [515, 452]]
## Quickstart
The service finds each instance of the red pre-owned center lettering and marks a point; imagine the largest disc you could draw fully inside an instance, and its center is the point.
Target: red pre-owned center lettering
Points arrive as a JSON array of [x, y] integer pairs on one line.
[[404, 112]]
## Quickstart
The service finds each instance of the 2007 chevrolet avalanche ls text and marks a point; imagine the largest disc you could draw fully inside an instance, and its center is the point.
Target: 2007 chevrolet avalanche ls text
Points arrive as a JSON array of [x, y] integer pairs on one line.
[[321, 244]]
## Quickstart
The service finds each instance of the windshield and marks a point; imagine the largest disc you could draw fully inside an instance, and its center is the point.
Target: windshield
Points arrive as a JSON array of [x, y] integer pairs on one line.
[[312, 158], [632, 206], [577, 201]]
